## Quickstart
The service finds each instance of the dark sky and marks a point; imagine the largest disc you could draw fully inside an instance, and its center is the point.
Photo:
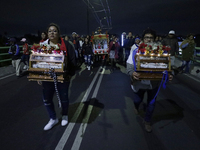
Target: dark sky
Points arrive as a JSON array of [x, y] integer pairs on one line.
[[27, 16]]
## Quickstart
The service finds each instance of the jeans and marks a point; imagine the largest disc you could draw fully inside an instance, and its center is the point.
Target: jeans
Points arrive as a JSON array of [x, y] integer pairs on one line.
[[138, 98], [25, 58], [48, 93], [88, 59], [186, 65]]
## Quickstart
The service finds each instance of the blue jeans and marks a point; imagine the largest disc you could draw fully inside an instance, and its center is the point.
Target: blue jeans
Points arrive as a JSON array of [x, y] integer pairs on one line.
[[25, 58], [138, 98], [186, 65], [88, 59], [48, 93]]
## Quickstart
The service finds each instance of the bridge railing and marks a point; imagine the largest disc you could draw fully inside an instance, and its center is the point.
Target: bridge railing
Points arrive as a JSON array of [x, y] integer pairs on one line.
[[5, 58]]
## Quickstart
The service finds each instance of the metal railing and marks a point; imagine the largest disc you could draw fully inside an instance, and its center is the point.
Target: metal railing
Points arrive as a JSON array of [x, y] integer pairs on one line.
[[5, 59], [4, 56]]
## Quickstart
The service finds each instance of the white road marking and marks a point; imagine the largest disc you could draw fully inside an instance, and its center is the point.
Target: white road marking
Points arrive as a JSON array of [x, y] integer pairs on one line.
[[7, 76], [192, 77], [79, 137], [70, 126]]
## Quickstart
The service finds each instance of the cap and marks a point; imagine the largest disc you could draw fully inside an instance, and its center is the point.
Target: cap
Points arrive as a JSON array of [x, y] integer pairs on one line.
[[12, 40], [23, 40], [73, 32], [137, 38], [172, 32]]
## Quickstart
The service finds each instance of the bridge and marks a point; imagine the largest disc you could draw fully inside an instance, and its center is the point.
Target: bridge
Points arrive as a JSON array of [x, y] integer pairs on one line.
[[101, 114]]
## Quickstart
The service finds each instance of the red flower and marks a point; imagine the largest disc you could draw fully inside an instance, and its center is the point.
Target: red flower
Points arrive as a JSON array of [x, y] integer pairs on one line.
[[92, 37], [100, 36]]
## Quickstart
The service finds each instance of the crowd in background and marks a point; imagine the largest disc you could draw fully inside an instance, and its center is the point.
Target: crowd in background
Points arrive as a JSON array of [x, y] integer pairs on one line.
[[119, 49]]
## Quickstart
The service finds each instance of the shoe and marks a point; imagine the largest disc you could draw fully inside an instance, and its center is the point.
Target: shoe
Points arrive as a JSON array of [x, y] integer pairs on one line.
[[50, 124], [88, 67], [25, 67], [64, 121], [147, 126]]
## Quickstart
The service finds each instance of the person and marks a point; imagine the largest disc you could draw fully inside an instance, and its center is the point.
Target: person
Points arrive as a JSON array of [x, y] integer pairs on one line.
[[137, 41], [26, 55], [188, 47], [49, 87], [128, 44], [140, 87], [76, 45], [172, 41], [43, 36], [114, 47], [67, 38], [88, 53], [14, 51]]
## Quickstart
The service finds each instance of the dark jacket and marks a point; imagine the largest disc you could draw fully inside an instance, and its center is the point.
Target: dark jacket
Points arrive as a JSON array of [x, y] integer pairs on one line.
[[87, 49], [76, 43], [173, 43], [70, 68], [14, 51], [128, 43], [188, 47]]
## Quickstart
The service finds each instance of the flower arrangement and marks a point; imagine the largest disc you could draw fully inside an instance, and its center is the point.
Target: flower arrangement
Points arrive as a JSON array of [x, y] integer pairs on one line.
[[46, 49], [153, 48]]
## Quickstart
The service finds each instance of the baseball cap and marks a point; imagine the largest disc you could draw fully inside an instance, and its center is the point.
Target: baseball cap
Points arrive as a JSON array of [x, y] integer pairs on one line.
[[23, 40], [12, 40], [172, 32]]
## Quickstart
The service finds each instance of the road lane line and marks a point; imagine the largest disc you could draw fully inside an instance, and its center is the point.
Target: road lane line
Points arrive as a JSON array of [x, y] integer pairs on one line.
[[192, 77], [7, 76], [83, 126], [70, 126]]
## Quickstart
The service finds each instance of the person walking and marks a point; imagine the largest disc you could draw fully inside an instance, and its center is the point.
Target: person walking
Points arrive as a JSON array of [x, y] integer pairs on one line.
[[188, 47], [14, 51], [26, 54], [114, 47], [128, 44], [49, 87], [140, 87], [172, 41], [87, 52]]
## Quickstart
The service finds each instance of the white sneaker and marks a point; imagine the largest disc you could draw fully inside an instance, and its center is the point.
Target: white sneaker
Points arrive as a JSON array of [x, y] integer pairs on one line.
[[25, 67], [64, 120], [88, 67], [50, 124]]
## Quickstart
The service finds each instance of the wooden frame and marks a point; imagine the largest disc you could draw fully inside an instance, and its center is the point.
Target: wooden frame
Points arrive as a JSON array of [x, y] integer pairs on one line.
[[40, 64], [152, 73]]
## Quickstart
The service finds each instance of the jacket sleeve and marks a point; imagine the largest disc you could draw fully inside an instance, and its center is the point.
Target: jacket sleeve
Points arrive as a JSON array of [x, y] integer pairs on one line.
[[17, 50], [130, 69], [9, 51], [184, 45], [71, 59]]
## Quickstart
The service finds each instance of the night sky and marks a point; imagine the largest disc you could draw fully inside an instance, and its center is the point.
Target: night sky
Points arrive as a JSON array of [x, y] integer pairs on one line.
[[25, 16]]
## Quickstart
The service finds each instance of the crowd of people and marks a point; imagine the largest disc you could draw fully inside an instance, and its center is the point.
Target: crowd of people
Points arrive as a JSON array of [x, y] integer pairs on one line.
[[79, 50]]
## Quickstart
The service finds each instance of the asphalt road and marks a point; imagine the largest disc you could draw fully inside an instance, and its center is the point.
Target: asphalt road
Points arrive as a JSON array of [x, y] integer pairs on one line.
[[101, 115]]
